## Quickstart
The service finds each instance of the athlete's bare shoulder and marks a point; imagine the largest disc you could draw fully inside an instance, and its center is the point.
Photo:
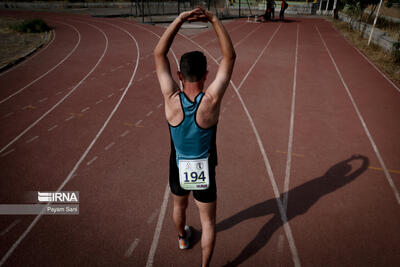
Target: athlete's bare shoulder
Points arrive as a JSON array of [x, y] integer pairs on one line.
[[208, 112], [173, 109]]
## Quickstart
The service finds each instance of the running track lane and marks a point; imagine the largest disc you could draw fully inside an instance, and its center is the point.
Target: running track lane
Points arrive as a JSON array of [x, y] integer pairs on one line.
[[276, 241], [16, 82], [49, 92], [111, 57]]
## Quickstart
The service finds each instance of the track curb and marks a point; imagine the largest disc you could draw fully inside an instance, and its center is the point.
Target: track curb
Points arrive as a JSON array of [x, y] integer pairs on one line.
[[14, 62]]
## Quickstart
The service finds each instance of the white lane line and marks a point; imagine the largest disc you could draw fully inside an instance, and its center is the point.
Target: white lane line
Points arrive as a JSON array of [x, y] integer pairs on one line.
[[91, 161], [109, 146], [124, 133], [92, 78], [32, 139], [152, 216], [258, 58], [60, 101], [140, 79], [70, 118], [43, 99], [85, 109], [223, 110], [53, 68], [232, 30], [34, 55], [8, 114], [147, 75], [290, 141], [157, 232], [60, 92], [138, 122], [366, 58], [12, 225], [242, 39], [103, 74], [148, 114], [72, 172], [132, 247], [98, 102], [8, 152], [233, 96], [121, 89], [52, 128], [159, 105], [286, 226], [117, 68], [371, 140], [110, 95]]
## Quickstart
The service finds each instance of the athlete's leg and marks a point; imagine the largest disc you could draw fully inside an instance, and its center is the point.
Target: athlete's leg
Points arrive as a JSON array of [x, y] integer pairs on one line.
[[207, 216], [179, 213]]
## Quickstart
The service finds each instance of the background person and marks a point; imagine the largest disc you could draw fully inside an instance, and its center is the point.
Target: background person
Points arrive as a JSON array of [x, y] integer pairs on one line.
[[284, 5]]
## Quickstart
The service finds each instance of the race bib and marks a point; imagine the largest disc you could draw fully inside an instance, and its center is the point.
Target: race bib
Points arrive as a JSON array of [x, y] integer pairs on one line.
[[193, 174]]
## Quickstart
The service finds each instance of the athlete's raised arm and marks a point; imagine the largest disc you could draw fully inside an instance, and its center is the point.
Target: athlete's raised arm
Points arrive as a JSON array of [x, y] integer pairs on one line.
[[167, 83], [217, 88]]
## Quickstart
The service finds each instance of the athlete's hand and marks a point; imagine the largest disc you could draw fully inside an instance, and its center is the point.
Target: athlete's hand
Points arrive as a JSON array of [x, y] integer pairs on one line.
[[207, 15], [193, 15]]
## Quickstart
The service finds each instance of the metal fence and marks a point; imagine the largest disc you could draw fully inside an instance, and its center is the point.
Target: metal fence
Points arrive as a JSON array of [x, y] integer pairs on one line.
[[145, 10], [150, 10]]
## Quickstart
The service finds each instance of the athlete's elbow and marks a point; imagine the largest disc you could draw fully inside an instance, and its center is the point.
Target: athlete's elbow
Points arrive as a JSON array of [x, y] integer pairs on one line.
[[230, 57], [159, 51]]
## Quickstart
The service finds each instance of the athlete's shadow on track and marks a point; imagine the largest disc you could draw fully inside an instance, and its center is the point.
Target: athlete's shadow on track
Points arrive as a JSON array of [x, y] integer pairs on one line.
[[301, 198]]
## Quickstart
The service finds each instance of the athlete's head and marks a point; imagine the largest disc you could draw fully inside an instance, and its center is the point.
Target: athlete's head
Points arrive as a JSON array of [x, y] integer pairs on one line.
[[193, 67]]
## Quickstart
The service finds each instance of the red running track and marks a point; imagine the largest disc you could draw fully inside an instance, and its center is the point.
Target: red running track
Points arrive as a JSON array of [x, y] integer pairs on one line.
[[302, 101]]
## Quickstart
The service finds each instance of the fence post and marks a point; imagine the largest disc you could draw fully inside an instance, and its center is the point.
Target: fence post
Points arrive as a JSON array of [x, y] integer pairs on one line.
[[326, 9], [373, 26], [320, 7]]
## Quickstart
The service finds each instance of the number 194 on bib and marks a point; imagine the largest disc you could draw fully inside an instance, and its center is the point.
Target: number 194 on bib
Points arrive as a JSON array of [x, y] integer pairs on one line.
[[193, 174]]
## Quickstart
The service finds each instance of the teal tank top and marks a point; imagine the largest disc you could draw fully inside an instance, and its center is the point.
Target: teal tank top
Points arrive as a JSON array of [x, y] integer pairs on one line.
[[189, 139]]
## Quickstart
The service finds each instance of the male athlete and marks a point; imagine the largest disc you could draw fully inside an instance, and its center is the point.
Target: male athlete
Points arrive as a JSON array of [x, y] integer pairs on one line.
[[192, 115]]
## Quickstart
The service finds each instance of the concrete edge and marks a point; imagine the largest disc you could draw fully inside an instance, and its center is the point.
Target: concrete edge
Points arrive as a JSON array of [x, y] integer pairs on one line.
[[379, 37], [45, 40]]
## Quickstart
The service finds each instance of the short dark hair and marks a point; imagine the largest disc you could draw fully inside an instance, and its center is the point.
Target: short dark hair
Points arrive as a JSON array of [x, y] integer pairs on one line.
[[193, 66]]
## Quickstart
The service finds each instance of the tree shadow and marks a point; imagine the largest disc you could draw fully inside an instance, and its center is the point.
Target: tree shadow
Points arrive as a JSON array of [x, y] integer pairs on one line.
[[300, 200]]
